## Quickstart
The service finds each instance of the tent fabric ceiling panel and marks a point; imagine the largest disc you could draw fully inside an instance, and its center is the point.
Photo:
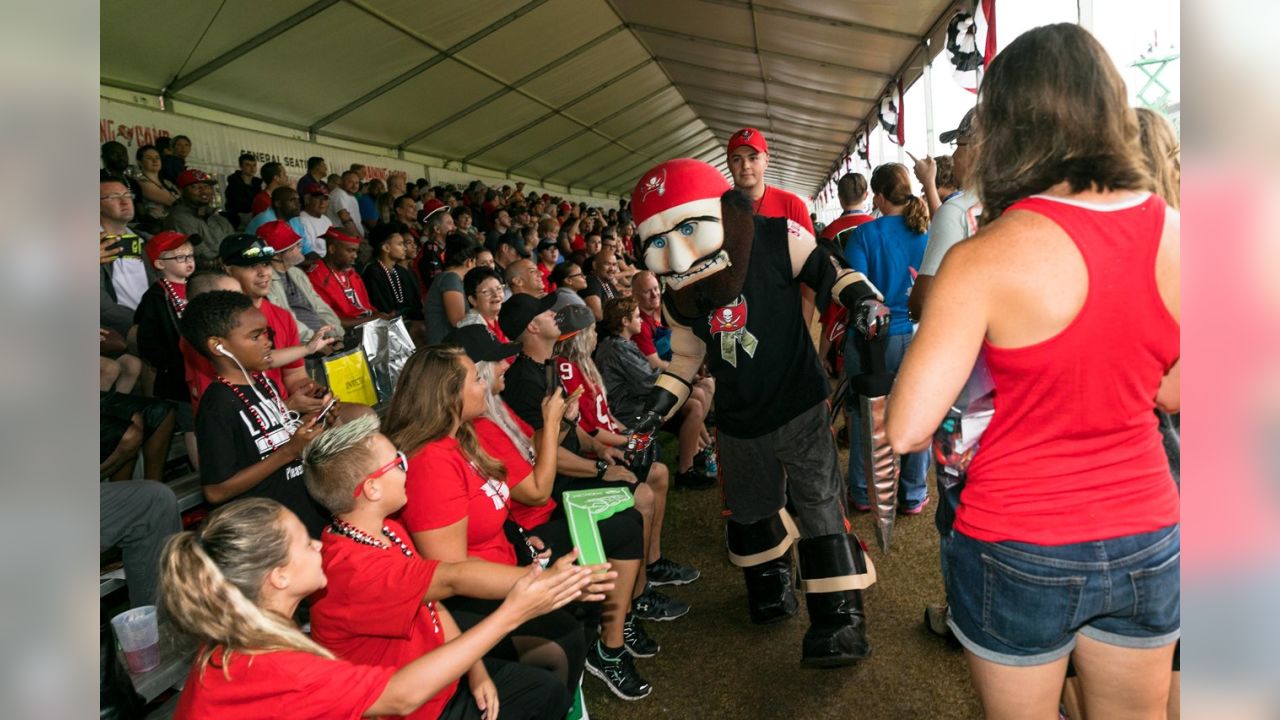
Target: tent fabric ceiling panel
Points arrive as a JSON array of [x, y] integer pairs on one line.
[[446, 26], [840, 82], [285, 80], [418, 103], [581, 92], [516, 148], [481, 127], [644, 82], [593, 67], [912, 18], [717, 22], [833, 44], [539, 38], [552, 161]]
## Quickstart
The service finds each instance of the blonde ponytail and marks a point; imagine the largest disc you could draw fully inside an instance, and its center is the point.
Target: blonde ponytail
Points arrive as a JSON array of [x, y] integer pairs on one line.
[[209, 583]]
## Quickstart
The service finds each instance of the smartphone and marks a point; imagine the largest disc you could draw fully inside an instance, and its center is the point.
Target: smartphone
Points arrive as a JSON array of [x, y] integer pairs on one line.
[[333, 402]]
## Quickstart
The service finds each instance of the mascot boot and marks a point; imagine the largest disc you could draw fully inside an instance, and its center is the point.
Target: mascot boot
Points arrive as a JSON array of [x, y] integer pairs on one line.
[[763, 550], [833, 573]]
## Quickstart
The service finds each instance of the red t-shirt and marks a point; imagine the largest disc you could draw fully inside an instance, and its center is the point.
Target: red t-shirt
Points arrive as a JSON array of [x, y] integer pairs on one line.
[[592, 403], [495, 330], [644, 338], [200, 373], [1073, 453], [777, 202], [495, 442], [283, 329], [847, 221], [284, 684], [372, 610], [444, 488], [261, 202], [343, 291]]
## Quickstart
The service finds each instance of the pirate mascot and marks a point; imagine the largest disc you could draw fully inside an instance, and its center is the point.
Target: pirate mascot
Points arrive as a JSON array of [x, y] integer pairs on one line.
[[732, 297]]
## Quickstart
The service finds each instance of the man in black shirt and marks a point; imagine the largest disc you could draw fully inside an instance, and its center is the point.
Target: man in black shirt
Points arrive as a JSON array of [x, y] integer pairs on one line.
[[242, 187], [600, 287], [733, 285]]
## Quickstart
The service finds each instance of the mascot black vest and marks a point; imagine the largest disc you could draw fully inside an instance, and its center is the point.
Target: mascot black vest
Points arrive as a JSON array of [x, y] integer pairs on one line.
[[758, 349]]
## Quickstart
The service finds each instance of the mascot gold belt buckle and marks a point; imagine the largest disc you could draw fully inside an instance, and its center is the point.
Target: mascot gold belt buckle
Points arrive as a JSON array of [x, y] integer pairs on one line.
[[730, 323]]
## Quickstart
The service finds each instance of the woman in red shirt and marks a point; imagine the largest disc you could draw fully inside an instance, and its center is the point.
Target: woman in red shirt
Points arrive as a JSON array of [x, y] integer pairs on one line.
[[459, 499], [234, 587], [531, 463], [1066, 542]]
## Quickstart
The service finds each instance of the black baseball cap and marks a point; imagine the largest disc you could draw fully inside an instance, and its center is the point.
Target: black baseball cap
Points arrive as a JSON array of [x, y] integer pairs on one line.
[[519, 310], [573, 319], [244, 250], [515, 241], [480, 345], [962, 132]]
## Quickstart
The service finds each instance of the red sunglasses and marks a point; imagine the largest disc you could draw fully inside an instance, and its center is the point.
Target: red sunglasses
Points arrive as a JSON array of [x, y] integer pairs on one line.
[[401, 461]]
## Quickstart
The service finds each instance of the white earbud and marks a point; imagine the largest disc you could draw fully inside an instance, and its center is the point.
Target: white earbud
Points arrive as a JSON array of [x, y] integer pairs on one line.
[[221, 349]]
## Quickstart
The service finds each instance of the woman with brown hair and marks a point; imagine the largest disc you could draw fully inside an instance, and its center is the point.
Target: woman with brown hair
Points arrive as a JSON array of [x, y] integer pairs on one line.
[[459, 500], [1065, 543], [888, 250], [234, 585]]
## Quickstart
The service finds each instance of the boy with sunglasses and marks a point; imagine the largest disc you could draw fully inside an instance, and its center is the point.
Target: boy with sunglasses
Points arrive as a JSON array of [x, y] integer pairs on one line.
[[380, 606]]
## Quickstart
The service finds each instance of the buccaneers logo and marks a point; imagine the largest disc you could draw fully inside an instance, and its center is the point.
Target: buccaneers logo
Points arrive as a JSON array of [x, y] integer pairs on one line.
[[655, 183], [730, 323]]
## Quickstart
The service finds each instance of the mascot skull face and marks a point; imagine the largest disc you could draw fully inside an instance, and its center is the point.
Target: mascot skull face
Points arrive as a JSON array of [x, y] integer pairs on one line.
[[692, 229]]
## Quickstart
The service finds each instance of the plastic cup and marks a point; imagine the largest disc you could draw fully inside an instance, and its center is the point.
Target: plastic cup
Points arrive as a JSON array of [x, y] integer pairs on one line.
[[139, 635]]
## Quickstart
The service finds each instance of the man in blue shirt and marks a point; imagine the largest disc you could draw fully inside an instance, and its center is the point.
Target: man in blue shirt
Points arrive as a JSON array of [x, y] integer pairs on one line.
[[285, 205]]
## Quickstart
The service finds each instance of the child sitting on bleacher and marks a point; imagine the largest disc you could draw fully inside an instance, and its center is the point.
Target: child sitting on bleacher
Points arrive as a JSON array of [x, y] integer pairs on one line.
[[381, 606], [250, 443], [172, 254], [234, 587]]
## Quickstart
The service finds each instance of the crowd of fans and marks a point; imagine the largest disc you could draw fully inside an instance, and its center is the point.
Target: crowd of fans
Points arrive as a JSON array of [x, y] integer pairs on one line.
[[216, 314], [539, 338]]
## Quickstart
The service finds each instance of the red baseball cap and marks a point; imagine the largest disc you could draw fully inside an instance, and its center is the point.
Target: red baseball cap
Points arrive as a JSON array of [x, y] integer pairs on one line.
[[278, 235], [191, 176], [674, 184], [429, 208], [165, 241], [317, 189], [341, 237], [750, 137]]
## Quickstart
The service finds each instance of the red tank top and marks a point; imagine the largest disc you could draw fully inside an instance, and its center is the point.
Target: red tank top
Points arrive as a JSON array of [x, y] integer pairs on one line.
[[1073, 453]]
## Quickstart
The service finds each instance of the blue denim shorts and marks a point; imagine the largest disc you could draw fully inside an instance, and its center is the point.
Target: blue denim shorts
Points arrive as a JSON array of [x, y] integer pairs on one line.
[[1021, 604]]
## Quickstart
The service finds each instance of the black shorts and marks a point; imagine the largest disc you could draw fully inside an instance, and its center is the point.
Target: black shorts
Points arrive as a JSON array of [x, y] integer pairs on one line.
[[622, 535]]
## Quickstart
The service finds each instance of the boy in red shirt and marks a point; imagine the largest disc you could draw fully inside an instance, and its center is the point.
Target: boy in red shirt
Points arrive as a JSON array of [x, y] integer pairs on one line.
[[380, 605], [337, 282]]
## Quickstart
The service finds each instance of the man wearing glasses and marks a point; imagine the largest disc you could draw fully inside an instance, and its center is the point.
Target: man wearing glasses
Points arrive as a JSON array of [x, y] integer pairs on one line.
[[123, 276]]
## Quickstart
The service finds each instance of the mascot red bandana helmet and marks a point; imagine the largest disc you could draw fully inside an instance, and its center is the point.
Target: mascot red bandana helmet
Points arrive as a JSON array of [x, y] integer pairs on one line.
[[676, 208]]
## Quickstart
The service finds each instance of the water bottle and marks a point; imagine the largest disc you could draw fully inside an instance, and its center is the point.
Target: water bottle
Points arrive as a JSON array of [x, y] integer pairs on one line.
[[713, 466]]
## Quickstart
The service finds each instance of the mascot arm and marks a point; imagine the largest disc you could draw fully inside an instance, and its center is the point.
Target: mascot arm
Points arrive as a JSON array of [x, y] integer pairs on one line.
[[830, 280], [672, 387]]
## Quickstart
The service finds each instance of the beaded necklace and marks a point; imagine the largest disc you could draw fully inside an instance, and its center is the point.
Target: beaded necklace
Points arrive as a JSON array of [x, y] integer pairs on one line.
[[177, 302], [393, 277], [357, 535], [253, 410]]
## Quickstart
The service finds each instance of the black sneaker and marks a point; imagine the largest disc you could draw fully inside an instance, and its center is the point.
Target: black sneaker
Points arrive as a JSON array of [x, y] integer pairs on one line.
[[693, 480], [637, 641], [618, 673], [656, 607], [668, 572]]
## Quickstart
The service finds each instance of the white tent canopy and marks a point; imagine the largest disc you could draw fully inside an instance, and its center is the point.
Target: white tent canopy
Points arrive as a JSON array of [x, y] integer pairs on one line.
[[585, 94]]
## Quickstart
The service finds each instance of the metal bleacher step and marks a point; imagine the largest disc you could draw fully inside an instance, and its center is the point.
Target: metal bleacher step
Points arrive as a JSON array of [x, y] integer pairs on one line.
[[187, 488]]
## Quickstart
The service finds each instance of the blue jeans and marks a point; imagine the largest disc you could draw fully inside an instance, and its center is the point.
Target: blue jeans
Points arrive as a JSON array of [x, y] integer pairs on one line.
[[1020, 604], [912, 488]]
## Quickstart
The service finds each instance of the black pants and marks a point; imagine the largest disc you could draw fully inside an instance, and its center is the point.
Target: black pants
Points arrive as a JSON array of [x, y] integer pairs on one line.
[[557, 626], [524, 693]]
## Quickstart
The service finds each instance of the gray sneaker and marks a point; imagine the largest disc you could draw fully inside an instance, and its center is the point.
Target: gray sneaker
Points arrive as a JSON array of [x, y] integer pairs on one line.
[[668, 572], [656, 607]]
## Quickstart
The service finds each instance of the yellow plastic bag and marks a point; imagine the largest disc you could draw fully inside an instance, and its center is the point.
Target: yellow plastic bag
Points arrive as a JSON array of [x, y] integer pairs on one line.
[[349, 378]]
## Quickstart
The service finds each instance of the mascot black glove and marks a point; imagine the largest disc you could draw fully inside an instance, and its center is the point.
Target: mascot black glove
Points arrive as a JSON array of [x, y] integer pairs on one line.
[[871, 318]]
